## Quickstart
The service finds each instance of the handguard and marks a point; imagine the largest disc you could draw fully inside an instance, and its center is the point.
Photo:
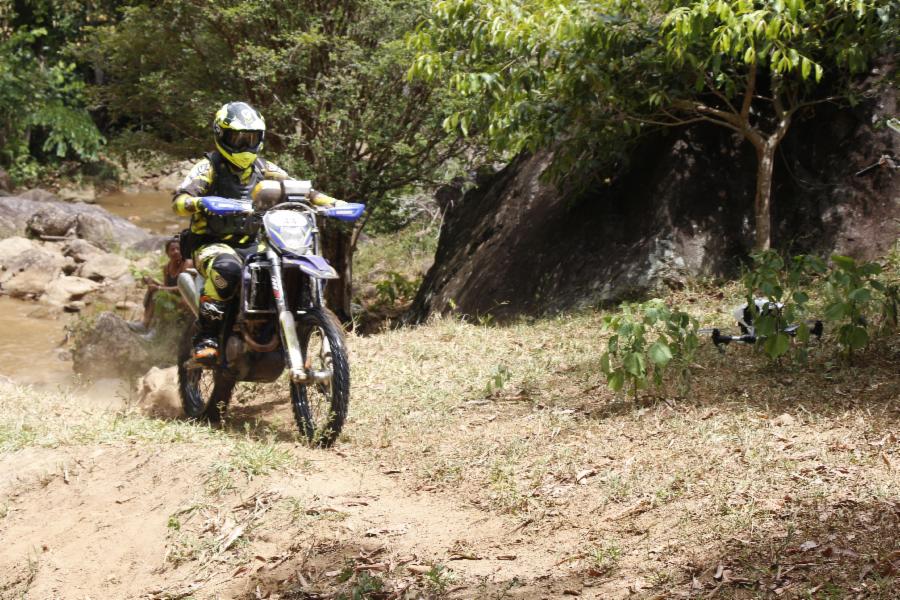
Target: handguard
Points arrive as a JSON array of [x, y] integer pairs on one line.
[[349, 211], [225, 207]]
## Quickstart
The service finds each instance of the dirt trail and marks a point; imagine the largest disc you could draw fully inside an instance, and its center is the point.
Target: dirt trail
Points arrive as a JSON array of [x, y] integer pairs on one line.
[[97, 522]]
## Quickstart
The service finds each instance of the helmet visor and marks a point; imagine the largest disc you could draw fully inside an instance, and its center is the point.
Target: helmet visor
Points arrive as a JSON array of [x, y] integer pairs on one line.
[[240, 141]]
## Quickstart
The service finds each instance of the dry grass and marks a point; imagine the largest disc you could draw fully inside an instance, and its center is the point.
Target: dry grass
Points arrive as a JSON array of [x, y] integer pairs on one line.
[[764, 481]]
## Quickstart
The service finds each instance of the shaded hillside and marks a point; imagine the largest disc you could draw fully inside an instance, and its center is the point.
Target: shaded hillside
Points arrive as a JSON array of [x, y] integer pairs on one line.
[[516, 244]]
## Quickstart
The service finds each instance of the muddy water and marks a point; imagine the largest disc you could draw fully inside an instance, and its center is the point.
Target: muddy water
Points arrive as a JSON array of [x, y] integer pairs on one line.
[[31, 336], [150, 210], [30, 344]]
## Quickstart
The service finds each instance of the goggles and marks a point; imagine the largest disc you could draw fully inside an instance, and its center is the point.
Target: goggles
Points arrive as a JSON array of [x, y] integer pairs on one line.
[[242, 140]]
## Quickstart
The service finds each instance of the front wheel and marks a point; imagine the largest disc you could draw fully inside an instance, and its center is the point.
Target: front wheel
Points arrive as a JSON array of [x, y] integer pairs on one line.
[[321, 408], [204, 392]]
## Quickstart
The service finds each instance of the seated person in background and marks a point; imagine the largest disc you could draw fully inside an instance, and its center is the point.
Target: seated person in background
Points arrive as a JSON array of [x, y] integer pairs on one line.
[[176, 265]]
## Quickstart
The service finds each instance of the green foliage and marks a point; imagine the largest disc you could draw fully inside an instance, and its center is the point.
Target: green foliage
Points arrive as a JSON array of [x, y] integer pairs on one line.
[[592, 71], [499, 378], [395, 287], [857, 301], [648, 340], [855, 298], [328, 77], [785, 285], [42, 101]]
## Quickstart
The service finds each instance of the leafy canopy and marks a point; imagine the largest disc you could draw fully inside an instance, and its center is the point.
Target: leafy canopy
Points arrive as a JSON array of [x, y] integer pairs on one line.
[[535, 71], [328, 77], [43, 117]]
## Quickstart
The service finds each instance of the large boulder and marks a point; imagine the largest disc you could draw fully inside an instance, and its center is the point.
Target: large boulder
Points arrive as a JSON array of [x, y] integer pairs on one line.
[[52, 220], [80, 250], [104, 267], [48, 219], [83, 193], [39, 195], [108, 349], [28, 274], [64, 290], [13, 247], [519, 244], [14, 214]]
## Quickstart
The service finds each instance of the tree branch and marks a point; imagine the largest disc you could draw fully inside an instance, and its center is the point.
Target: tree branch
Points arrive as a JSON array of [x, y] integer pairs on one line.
[[748, 94]]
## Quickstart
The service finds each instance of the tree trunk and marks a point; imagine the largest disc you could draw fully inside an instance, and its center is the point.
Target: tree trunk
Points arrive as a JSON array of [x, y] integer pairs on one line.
[[763, 205], [337, 248]]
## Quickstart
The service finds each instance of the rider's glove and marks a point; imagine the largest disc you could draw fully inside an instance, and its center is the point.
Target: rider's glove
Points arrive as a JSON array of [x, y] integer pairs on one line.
[[186, 205]]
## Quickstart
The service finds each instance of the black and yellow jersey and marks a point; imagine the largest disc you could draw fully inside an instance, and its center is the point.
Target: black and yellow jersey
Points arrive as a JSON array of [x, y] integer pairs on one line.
[[214, 176]]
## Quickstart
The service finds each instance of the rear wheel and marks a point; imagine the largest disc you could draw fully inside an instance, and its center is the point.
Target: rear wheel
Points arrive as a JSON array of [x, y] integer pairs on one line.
[[204, 392], [321, 408]]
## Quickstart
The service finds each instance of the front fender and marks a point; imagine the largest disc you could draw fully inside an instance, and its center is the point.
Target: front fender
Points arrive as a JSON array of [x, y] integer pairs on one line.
[[312, 265]]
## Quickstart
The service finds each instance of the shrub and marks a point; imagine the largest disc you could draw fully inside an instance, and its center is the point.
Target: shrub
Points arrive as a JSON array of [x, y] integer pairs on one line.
[[785, 286], [649, 341]]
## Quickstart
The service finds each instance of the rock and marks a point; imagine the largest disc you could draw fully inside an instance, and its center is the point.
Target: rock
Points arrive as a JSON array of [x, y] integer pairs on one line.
[[11, 248], [39, 195], [28, 275], [75, 306], [109, 349], [80, 250], [102, 267], [154, 243], [85, 193], [21, 216], [14, 213], [158, 393], [681, 206], [64, 290], [51, 220]]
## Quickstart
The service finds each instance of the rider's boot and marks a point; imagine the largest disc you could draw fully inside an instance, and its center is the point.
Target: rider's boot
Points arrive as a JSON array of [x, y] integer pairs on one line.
[[209, 324]]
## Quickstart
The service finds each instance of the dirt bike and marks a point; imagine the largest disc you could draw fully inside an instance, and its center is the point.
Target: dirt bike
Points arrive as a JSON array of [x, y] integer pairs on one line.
[[278, 320]]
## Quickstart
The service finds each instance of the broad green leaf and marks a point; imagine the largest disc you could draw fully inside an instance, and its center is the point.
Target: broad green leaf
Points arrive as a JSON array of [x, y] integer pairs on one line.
[[660, 354], [634, 364], [777, 345], [616, 380], [836, 311], [604, 363], [844, 262], [860, 295], [857, 337]]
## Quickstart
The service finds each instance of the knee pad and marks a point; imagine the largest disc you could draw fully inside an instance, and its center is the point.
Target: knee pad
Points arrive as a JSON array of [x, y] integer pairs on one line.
[[226, 275]]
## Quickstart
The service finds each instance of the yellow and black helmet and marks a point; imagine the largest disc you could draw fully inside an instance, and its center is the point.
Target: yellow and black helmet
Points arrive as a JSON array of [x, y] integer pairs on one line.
[[239, 130]]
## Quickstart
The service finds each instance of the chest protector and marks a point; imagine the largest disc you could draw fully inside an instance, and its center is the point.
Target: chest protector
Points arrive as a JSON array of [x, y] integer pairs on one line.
[[227, 184]]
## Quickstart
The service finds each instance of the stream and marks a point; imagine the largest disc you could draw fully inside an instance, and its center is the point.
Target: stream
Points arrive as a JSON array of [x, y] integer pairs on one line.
[[32, 337]]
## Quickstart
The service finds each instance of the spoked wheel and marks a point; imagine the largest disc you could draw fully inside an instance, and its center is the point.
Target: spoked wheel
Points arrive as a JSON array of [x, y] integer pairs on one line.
[[204, 392], [320, 408]]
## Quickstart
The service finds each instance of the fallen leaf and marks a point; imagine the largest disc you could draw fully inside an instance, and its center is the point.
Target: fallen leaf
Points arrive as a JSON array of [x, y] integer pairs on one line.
[[808, 545], [784, 419], [887, 461], [582, 475], [418, 569]]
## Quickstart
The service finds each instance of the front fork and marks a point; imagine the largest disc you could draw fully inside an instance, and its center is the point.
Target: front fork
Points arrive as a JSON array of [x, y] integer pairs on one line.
[[300, 372]]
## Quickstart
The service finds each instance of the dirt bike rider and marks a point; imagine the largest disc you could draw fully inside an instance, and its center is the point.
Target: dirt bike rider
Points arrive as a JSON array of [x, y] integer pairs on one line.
[[231, 171]]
